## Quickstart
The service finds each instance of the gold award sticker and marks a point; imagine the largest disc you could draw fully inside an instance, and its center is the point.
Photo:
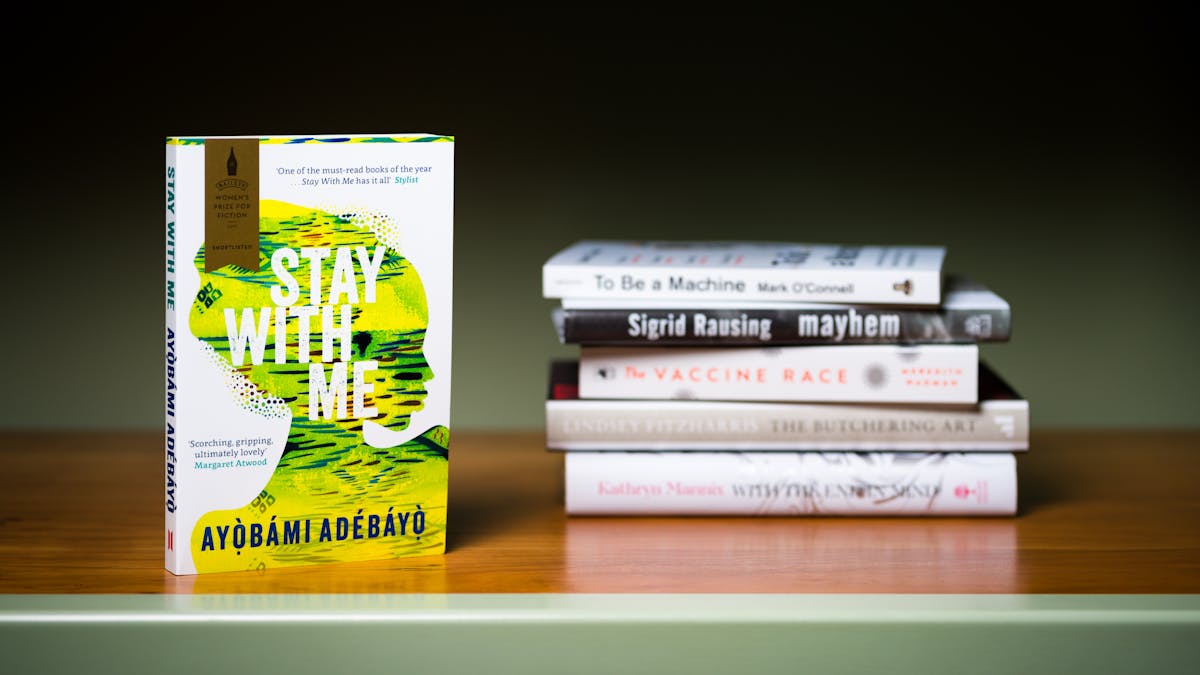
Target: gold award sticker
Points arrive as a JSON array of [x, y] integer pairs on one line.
[[231, 203]]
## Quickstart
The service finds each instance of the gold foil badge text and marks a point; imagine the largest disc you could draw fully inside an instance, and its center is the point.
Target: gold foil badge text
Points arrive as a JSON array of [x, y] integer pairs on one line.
[[231, 203]]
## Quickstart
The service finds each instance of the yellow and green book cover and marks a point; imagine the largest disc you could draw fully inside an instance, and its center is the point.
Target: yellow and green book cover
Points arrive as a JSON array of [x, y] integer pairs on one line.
[[308, 323]]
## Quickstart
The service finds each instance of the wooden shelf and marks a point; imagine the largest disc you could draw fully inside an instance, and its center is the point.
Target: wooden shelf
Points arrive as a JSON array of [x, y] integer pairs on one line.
[[1098, 573], [1101, 512]]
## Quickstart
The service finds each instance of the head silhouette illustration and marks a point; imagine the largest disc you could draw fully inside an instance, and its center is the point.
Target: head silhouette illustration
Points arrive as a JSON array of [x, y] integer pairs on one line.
[[356, 317], [387, 323]]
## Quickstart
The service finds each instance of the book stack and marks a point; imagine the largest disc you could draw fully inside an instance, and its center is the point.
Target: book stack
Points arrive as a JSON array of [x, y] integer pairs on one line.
[[768, 378]]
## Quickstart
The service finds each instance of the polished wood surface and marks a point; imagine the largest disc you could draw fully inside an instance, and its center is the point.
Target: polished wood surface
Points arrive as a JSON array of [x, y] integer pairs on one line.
[[1100, 512]]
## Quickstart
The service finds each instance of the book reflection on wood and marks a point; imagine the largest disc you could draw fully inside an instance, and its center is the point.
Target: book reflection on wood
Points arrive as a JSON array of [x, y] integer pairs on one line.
[[732, 555]]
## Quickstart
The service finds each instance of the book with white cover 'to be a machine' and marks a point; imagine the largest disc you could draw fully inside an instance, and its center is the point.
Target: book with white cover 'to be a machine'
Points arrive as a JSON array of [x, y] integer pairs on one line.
[[746, 271]]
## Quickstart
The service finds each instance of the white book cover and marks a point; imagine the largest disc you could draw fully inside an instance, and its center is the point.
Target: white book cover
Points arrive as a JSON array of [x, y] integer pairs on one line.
[[998, 423], [308, 339], [842, 373], [970, 312], [790, 484], [746, 271]]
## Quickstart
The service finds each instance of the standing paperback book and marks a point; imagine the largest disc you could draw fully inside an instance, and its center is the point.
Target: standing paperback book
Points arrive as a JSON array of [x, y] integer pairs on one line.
[[746, 271], [308, 324]]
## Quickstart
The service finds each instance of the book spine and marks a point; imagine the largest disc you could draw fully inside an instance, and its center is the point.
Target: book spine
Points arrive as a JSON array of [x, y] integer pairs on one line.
[[848, 286], [992, 426], [791, 484], [171, 476], [854, 373], [756, 327]]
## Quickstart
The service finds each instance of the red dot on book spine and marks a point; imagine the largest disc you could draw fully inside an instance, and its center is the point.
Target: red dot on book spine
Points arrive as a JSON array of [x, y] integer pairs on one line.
[[565, 391]]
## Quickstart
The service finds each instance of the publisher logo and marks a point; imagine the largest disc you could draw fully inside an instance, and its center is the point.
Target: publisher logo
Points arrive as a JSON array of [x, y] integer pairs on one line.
[[978, 326], [1007, 424], [905, 287], [876, 376], [976, 492]]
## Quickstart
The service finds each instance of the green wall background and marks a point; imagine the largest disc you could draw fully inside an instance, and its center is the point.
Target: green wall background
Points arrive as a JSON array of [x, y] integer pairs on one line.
[[1052, 157]]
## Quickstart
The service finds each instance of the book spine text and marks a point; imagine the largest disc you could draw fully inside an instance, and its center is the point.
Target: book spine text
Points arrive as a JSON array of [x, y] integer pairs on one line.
[[854, 286], [750, 327], [791, 484], [993, 426], [855, 373], [171, 381]]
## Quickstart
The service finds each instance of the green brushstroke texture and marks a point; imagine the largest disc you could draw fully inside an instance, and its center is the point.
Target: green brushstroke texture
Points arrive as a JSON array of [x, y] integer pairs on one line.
[[327, 471]]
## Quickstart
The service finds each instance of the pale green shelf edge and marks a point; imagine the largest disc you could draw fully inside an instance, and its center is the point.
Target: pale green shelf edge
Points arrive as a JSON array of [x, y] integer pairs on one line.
[[600, 633]]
